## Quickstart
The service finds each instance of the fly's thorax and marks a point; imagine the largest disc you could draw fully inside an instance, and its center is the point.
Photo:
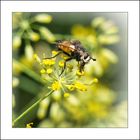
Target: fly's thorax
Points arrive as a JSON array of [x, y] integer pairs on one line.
[[66, 47]]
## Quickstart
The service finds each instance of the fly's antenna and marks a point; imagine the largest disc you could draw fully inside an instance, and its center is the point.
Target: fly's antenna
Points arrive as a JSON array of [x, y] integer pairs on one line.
[[54, 43], [93, 59], [59, 41]]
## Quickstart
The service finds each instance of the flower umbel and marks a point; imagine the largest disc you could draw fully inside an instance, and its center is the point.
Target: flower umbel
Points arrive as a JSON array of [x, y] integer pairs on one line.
[[55, 85], [80, 86], [69, 81], [48, 62]]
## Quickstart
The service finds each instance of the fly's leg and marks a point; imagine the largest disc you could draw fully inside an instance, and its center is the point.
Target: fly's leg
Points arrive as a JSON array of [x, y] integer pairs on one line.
[[82, 64], [53, 56], [65, 65]]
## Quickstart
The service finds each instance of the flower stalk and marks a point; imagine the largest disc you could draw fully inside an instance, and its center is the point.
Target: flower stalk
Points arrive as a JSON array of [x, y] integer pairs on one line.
[[30, 108]]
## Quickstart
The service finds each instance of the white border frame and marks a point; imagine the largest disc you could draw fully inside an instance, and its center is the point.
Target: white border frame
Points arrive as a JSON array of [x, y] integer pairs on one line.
[[132, 7]]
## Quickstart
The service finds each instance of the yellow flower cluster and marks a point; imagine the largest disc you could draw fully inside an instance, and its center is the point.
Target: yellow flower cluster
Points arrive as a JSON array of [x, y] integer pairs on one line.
[[80, 86], [54, 53], [61, 64], [29, 125], [77, 85], [48, 62], [80, 73], [55, 85], [48, 71], [70, 87], [66, 83]]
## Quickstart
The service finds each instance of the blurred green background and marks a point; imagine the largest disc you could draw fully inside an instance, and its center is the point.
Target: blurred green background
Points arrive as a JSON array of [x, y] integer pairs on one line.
[[104, 35]]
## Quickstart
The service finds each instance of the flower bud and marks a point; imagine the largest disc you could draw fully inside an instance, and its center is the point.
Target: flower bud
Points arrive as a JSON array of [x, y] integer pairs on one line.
[[43, 18]]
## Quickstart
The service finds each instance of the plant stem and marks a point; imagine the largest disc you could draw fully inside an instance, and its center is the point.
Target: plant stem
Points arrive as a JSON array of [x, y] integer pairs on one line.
[[31, 107]]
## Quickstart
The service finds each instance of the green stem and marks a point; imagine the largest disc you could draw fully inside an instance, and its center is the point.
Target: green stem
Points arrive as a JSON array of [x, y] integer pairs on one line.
[[30, 108]]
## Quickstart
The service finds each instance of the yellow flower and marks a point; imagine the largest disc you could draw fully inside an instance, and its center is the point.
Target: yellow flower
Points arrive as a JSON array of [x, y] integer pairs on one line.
[[49, 71], [95, 80], [34, 36], [48, 62], [98, 21], [36, 58], [55, 85], [107, 40], [80, 86], [54, 53], [70, 66], [15, 82], [66, 95], [80, 73], [97, 109], [47, 35], [70, 87], [29, 125], [43, 18], [42, 71], [16, 42], [64, 57], [41, 113], [61, 63]]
